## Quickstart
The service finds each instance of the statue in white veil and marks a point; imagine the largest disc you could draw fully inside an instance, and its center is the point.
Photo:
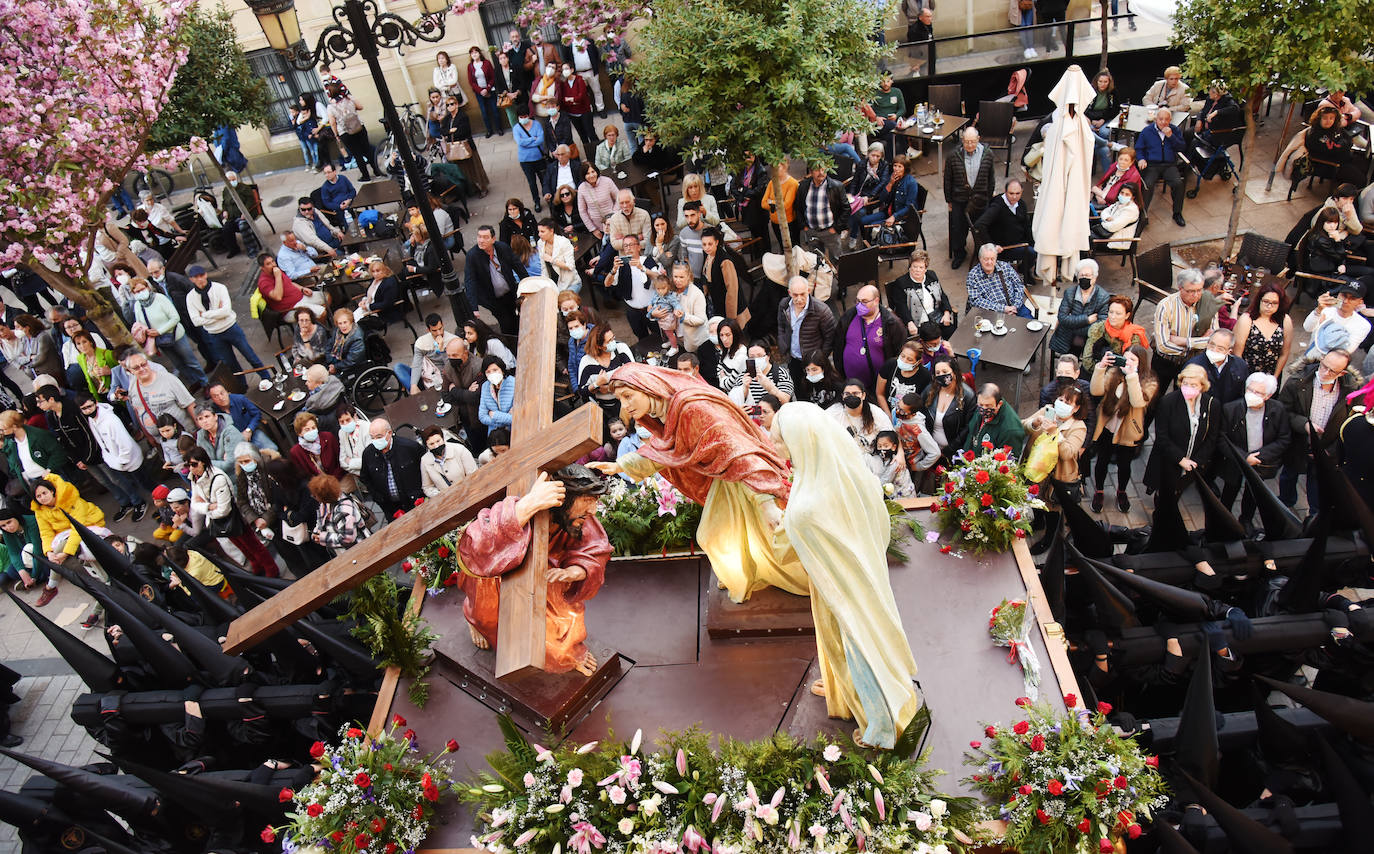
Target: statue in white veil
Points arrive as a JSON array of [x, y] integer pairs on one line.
[[1060, 224], [838, 524]]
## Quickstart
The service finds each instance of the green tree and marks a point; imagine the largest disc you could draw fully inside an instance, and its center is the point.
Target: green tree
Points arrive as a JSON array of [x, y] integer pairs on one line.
[[777, 78], [214, 88], [1253, 44]]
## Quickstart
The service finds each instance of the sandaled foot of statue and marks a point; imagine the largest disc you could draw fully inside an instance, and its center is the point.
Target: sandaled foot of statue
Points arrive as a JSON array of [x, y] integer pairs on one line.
[[586, 665], [477, 639], [818, 687], [858, 740]]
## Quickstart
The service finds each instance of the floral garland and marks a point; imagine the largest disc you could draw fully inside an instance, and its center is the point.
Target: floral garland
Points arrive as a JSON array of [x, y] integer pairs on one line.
[[437, 563], [1066, 783], [745, 797], [987, 501], [648, 517], [372, 794], [1009, 627]]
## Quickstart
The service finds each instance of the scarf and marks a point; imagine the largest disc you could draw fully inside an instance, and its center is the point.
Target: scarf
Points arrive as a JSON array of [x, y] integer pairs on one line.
[[312, 447], [1126, 333], [257, 495]]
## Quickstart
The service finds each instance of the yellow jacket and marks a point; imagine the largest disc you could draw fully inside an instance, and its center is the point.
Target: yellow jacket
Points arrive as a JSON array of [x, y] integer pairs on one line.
[[52, 521]]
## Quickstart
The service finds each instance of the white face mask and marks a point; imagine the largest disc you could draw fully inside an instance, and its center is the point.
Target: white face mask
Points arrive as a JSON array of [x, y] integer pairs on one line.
[[1216, 358], [578, 334], [815, 378], [495, 378], [1062, 409], [567, 74], [1253, 400], [122, 278]]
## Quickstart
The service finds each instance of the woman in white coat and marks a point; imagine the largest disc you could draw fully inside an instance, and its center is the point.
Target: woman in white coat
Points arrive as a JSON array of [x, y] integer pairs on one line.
[[1119, 219], [557, 256], [446, 461]]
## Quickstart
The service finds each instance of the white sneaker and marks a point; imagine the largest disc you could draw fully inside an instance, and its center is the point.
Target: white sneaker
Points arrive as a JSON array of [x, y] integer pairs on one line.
[[1030, 53]]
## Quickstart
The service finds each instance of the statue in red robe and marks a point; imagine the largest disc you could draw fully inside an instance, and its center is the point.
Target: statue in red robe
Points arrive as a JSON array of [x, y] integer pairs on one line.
[[496, 541]]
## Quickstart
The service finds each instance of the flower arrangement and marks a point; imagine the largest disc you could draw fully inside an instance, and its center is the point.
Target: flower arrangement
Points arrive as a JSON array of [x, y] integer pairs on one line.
[[768, 795], [1065, 783], [987, 501], [651, 516], [437, 563], [1009, 627], [372, 794]]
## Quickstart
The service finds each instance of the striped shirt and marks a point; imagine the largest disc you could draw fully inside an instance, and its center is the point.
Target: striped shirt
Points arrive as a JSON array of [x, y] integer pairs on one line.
[[1173, 317]]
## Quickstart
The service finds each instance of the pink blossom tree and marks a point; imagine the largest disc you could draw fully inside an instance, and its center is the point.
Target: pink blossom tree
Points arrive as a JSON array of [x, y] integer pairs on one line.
[[84, 82], [595, 20]]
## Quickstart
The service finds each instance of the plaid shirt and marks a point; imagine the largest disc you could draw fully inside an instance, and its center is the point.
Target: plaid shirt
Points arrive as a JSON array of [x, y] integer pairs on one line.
[[998, 291], [1323, 403], [818, 213]]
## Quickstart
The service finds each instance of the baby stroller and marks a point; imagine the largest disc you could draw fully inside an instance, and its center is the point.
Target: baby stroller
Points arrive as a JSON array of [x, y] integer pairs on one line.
[[1209, 157]]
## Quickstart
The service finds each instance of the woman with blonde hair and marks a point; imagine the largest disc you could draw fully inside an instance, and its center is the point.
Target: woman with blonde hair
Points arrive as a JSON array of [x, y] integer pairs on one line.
[[1186, 429], [694, 190]]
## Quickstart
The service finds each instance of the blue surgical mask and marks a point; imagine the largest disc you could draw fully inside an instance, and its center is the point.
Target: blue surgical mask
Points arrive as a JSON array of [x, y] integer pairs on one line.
[[310, 435], [249, 467], [380, 443], [348, 428], [905, 366]]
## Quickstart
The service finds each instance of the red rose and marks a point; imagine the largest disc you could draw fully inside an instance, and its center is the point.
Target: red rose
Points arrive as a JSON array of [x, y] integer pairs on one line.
[[949, 486], [443, 551], [408, 735], [285, 795], [1021, 728], [1023, 701], [407, 566], [353, 732], [361, 840], [990, 732], [268, 834], [944, 550], [419, 501], [1084, 825], [959, 502], [388, 767], [999, 456], [418, 813], [336, 836], [1104, 708], [397, 720], [982, 477], [987, 500], [987, 446], [1006, 448], [1033, 489], [452, 746], [1038, 742], [939, 469], [1020, 533], [1133, 831], [316, 750], [965, 527], [1119, 782], [398, 514], [314, 810], [390, 848], [1105, 846], [451, 580], [1055, 787], [378, 825], [1152, 761], [1044, 817], [969, 455], [975, 744], [1070, 700], [362, 780], [1026, 789], [1004, 469]]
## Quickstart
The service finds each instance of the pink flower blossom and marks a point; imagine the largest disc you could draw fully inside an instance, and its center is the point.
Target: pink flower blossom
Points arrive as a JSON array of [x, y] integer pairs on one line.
[[585, 837]]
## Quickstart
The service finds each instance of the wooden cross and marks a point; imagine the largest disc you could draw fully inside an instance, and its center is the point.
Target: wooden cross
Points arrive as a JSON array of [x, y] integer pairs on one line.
[[537, 443]]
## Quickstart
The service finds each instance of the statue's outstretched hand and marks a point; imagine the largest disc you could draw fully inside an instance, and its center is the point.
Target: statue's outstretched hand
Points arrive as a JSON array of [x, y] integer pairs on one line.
[[545, 494], [610, 469], [566, 574]]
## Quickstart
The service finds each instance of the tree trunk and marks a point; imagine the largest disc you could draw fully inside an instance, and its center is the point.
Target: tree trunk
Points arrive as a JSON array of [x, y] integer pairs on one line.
[[1102, 66], [238, 203], [785, 234], [99, 307], [1242, 178]]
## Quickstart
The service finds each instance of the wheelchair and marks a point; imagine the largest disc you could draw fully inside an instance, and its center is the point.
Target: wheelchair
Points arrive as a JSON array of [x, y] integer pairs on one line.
[[373, 385]]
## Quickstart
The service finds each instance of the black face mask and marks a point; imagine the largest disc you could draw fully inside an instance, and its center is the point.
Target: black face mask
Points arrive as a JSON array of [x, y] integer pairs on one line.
[[1085, 283], [457, 365], [989, 412], [437, 452], [943, 380], [852, 401], [887, 454]]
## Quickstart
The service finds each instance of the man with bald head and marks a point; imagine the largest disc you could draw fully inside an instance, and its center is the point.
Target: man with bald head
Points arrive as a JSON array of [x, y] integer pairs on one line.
[[804, 325], [391, 469], [867, 336], [296, 259]]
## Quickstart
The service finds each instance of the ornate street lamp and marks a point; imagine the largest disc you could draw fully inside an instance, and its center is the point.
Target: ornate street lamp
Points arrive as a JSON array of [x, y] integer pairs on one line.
[[360, 28]]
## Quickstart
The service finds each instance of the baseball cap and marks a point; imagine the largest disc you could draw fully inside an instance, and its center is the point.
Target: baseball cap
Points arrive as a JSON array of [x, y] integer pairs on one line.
[[178, 494], [1355, 289], [160, 492], [195, 270]]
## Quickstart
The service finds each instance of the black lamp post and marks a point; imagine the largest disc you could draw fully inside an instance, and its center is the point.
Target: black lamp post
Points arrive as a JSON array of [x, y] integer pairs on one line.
[[360, 29]]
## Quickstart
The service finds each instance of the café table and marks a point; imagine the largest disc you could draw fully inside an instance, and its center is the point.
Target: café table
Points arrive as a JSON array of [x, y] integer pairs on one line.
[[950, 127], [1013, 350], [637, 177], [278, 409], [374, 194], [418, 411], [1137, 117]]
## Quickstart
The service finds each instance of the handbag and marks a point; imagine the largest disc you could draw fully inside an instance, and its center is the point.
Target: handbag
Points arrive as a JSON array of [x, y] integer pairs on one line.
[[229, 526], [295, 534], [890, 235], [458, 150], [1043, 457]]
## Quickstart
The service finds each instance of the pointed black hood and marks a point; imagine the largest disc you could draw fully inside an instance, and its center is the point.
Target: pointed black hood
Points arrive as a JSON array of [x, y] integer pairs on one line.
[[108, 791], [1088, 536], [1167, 531], [351, 656], [1196, 748], [26, 813], [1114, 608], [113, 561], [1354, 717], [195, 791], [224, 670], [215, 609], [1280, 523], [1307, 580], [1222, 525], [1169, 839], [237, 574], [1244, 833], [1357, 816], [1052, 574], [1181, 604], [1339, 495], [98, 672], [1279, 740]]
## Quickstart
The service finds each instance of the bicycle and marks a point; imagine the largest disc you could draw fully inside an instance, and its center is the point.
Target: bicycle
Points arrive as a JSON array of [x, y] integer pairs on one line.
[[159, 181], [417, 133]]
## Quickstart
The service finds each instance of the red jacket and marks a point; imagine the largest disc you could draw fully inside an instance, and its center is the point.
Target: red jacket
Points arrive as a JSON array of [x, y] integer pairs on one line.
[[329, 457], [488, 72], [576, 99]]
